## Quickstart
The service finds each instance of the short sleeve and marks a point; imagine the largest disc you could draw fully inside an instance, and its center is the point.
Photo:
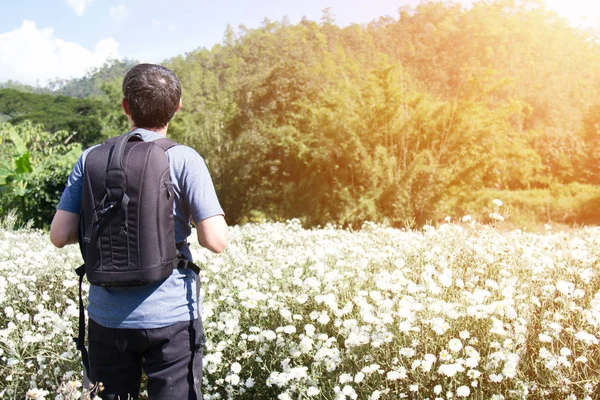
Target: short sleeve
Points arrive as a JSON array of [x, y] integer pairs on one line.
[[70, 200], [198, 189]]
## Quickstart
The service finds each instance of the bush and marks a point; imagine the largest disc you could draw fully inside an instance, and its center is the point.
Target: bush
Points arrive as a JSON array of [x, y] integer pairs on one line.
[[572, 204], [34, 166]]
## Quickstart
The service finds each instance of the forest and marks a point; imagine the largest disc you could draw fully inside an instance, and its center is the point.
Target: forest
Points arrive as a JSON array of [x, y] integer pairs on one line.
[[404, 121]]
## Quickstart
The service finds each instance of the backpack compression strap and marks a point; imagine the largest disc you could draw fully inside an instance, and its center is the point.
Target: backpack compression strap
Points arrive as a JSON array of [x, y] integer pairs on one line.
[[115, 176], [116, 197], [80, 340]]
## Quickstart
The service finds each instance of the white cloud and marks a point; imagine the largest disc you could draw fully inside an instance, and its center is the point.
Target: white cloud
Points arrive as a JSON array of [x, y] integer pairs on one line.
[[33, 56], [79, 5], [119, 14]]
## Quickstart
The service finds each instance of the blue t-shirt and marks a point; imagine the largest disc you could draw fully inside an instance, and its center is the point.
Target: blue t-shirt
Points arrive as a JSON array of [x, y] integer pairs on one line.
[[173, 300]]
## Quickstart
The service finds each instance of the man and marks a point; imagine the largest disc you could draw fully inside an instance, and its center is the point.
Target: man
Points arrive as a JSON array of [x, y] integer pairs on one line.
[[154, 327]]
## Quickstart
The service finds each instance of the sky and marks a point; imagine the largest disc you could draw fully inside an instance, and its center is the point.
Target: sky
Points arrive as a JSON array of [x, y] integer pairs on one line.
[[42, 40]]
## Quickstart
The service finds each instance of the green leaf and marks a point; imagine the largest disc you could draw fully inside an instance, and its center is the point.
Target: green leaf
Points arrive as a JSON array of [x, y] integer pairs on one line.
[[18, 141], [21, 190], [23, 164], [4, 175]]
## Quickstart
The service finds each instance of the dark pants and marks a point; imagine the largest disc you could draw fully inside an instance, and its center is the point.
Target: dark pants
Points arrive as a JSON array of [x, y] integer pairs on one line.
[[171, 357]]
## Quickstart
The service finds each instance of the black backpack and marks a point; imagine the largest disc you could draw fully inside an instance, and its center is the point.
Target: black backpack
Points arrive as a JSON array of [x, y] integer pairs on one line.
[[126, 232], [126, 225]]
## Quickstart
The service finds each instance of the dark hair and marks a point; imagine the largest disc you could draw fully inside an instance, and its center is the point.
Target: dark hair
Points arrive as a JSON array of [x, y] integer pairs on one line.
[[153, 93]]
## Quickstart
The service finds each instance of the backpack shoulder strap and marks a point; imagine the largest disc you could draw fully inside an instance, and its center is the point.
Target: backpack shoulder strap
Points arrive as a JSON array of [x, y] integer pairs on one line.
[[165, 143]]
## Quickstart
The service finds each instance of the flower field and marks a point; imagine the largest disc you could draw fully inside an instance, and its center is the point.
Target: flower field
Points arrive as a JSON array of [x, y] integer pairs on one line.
[[443, 313]]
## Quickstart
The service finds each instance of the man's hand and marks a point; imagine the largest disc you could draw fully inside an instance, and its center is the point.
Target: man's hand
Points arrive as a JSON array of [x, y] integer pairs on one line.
[[64, 228], [213, 233]]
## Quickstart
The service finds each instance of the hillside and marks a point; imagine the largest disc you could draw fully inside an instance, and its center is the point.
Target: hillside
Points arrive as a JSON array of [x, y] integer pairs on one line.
[[404, 120]]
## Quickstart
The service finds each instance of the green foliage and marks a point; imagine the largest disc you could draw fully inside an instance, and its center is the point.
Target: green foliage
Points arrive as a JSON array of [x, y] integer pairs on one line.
[[82, 118], [392, 121], [88, 107], [34, 166], [574, 204], [10, 84]]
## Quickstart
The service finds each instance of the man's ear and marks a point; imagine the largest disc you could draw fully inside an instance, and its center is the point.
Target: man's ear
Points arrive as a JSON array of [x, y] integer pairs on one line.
[[125, 106]]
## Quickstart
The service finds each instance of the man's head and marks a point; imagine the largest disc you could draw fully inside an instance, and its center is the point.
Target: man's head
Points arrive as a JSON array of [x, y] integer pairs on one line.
[[151, 95]]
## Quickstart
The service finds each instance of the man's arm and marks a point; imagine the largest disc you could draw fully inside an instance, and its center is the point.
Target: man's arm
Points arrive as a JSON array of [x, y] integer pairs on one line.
[[64, 228], [213, 233]]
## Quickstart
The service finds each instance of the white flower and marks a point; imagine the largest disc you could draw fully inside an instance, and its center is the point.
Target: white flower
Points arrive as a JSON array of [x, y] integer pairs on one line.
[[323, 319], [466, 218], [407, 352], [428, 361], [496, 217], [269, 335], [473, 374], [302, 298], [463, 391], [312, 391], [565, 352], [236, 368], [472, 362], [455, 345], [349, 392], [497, 202], [566, 288], [37, 394], [375, 395], [359, 377], [498, 328], [437, 389], [233, 379], [396, 374], [12, 362], [289, 329], [510, 367], [309, 329], [586, 337], [330, 365], [450, 369], [551, 364], [285, 313], [440, 325], [542, 337]]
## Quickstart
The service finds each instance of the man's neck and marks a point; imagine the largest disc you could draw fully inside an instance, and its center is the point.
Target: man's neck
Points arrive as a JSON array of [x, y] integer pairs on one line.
[[162, 131]]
